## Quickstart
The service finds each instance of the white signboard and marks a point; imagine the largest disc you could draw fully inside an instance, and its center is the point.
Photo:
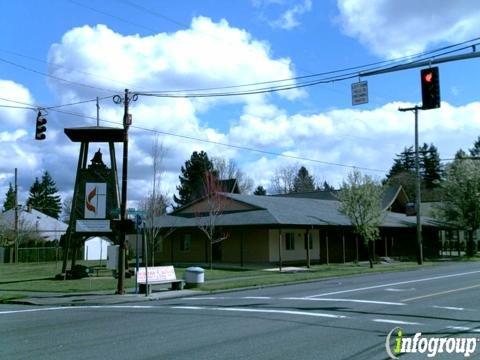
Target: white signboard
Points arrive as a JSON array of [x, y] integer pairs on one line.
[[359, 93], [95, 200], [157, 273], [93, 226]]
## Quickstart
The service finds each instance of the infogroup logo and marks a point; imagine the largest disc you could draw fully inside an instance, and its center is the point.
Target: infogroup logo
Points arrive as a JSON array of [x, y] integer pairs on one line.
[[396, 344]]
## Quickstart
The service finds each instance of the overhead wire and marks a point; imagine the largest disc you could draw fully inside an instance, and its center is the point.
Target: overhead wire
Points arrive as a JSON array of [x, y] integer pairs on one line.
[[239, 147], [56, 77]]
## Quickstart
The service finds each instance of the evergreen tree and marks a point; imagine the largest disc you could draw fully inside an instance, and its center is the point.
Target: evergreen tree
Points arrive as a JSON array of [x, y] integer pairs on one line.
[[475, 151], [42, 196], [404, 163], [260, 190], [303, 182], [327, 187], [9, 199], [35, 198], [432, 170], [460, 154], [192, 178]]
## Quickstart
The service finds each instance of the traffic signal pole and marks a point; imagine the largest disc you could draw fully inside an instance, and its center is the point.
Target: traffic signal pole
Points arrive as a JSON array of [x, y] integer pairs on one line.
[[417, 187]]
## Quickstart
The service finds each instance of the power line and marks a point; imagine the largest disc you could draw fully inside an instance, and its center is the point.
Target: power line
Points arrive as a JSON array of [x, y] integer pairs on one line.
[[17, 107], [239, 147], [55, 77], [112, 16], [35, 107], [347, 73], [14, 53], [155, 13]]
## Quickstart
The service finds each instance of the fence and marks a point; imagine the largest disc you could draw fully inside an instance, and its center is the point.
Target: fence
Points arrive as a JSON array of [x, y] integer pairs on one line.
[[38, 254]]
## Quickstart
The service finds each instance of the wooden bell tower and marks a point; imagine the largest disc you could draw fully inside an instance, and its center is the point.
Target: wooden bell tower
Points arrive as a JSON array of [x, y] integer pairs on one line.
[[96, 193]]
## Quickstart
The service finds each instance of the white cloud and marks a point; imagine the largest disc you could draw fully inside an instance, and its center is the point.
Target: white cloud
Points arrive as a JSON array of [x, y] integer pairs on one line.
[[367, 139], [14, 117], [209, 54], [392, 28], [289, 19]]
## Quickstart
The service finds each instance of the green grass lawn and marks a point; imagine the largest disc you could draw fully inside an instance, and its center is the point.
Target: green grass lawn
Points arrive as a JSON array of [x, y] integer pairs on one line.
[[39, 277], [18, 279]]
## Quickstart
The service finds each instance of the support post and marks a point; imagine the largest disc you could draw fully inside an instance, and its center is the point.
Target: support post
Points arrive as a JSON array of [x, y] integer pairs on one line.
[[123, 205], [241, 248], [343, 246], [417, 188], [386, 247], [16, 217], [307, 246], [356, 248], [326, 243], [280, 250]]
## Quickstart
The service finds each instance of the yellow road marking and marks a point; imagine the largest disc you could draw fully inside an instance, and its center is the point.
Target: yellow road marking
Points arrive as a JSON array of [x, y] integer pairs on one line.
[[441, 293]]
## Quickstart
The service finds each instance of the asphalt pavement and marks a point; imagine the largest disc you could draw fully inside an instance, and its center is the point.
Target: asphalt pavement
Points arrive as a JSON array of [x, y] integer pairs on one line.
[[344, 318]]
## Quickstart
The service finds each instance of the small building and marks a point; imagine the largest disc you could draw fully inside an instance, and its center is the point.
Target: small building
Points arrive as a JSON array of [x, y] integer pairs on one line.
[[267, 229], [34, 221], [95, 248]]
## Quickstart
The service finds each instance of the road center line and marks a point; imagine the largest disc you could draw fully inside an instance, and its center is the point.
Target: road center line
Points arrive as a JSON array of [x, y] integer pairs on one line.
[[395, 284], [346, 300], [267, 311], [441, 293]]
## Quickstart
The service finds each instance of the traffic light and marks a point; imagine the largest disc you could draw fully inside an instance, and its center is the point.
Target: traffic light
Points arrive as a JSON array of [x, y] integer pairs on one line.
[[430, 88], [40, 127]]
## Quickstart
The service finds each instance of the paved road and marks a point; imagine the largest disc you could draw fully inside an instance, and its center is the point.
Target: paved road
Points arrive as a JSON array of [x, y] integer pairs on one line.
[[347, 318]]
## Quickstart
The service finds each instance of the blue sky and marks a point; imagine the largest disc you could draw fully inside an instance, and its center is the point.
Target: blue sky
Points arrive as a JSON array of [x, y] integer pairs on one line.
[[101, 47]]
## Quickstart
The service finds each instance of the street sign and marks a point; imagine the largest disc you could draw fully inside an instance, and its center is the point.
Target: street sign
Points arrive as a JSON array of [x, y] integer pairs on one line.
[[360, 93]]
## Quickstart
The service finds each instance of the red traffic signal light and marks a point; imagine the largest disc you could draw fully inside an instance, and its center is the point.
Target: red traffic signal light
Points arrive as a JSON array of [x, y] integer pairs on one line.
[[40, 127], [430, 88]]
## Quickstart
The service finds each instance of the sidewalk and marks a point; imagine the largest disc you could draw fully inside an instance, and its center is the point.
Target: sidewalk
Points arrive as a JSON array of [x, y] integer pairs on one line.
[[100, 298]]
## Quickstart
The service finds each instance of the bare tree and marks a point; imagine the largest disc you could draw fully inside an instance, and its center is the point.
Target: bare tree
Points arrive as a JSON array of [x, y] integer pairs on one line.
[[361, 202], [207, 216], [284, 179], [228, 169], [67, 208], [155, 203]]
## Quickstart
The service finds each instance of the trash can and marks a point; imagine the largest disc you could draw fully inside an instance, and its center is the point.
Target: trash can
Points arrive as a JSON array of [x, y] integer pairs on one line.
[[194, 276]]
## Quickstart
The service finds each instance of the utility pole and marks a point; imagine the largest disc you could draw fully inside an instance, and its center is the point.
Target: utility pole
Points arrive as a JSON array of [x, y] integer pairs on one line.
[[16, 216], [123, 206], [417, 186]]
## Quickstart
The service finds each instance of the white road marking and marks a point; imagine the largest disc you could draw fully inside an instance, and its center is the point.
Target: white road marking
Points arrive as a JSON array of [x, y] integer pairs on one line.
[[346, 300], [462, 328], [398, 322], [78, 307], [399, 290], [397, 283], [206, 298], [441, 293], [257, 297], [272, 311], [267, 311], [31, 310], [296, 298], [449, 307]]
